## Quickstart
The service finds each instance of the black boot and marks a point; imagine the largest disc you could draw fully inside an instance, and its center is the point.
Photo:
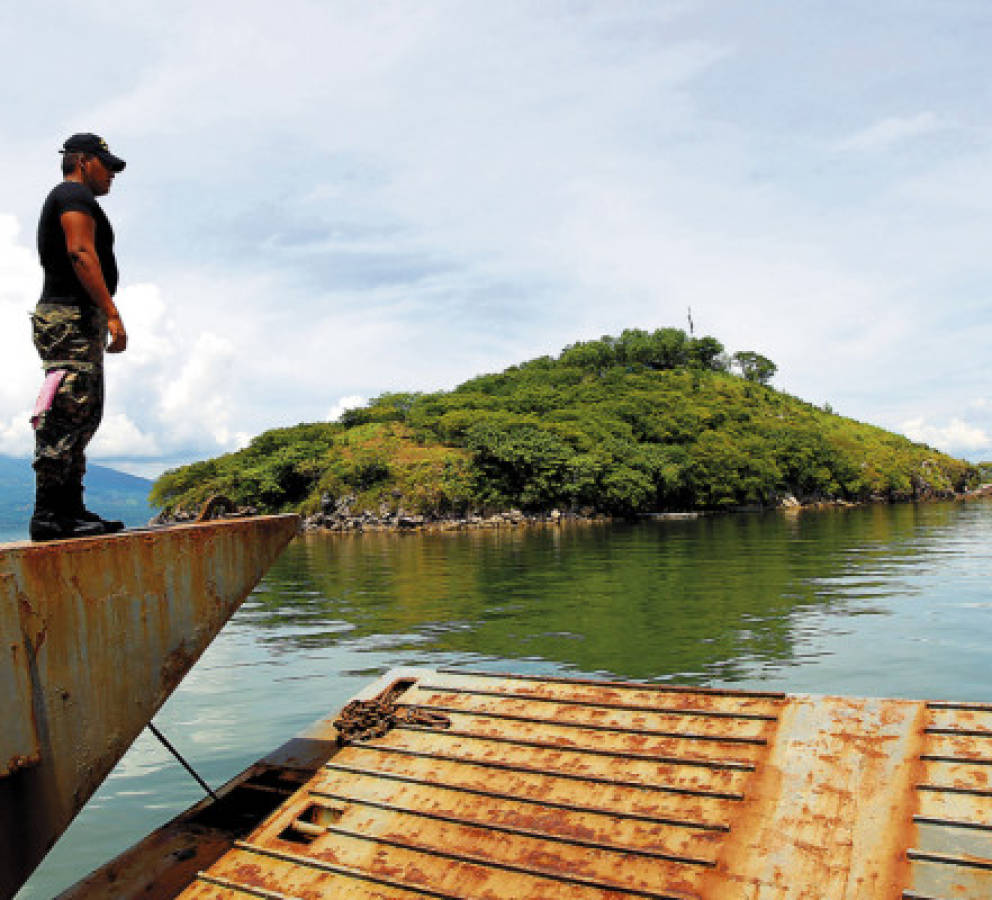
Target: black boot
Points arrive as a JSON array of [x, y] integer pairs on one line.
[[79, 511], [51, 520]]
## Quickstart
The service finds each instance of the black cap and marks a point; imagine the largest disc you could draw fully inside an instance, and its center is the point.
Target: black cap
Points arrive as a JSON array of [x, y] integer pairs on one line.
[[93, 143]]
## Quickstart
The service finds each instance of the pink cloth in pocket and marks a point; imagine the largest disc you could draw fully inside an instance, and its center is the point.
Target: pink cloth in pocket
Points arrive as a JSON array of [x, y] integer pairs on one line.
[[46, 395]]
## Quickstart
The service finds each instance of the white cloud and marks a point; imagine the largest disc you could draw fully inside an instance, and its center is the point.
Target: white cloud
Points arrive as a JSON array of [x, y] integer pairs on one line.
[[19, 285], [119, 436], [955, 436], [196, 396], [353, 198], [892, 130], [352, 401], [16, 435]]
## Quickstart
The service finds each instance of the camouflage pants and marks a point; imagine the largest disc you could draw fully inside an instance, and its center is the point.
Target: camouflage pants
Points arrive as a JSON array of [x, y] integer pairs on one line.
[[73, 339]]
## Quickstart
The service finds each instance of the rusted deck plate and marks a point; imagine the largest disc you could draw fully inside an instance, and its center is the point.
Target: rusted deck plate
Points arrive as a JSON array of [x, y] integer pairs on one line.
[[96, 633], [552, 789]]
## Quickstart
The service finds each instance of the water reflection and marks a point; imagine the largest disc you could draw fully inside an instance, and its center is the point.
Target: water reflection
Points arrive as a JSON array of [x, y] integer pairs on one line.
[[697, 600]]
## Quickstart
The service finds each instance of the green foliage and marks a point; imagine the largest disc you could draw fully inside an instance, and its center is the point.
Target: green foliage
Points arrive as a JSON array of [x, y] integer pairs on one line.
[[641, 422], [665, 348], [275, 472], [381, 466], [754, 366]]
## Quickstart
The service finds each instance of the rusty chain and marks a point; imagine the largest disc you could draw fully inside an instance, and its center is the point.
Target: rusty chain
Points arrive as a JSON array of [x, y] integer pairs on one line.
[[364, 720]]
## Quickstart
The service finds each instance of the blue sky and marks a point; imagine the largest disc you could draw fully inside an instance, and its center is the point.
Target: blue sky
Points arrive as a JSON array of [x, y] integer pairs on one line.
[[327, 200]]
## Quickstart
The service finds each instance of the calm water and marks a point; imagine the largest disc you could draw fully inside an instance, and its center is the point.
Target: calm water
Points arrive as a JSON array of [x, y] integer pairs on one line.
[[887, 601]]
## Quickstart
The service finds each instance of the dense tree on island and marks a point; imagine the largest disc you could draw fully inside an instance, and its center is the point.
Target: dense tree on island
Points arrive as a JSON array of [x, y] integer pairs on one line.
[[753, 366], [646, 421]]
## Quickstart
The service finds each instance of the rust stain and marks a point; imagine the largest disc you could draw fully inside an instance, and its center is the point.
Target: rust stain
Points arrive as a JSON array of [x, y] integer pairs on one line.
[[109, 626], [487, 811]]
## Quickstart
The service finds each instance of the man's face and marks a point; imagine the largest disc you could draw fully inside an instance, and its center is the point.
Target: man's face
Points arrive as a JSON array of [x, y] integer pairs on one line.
[[96, 176]]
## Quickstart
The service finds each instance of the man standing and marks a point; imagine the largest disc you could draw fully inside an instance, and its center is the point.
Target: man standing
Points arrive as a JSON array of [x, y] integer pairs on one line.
[[71, 324]]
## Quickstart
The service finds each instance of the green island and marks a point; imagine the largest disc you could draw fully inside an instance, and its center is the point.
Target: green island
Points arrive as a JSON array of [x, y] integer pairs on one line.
[[647, 422]]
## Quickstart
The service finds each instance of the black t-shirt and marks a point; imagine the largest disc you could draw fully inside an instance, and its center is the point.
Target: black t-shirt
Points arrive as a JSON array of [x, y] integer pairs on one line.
[[61, 284]]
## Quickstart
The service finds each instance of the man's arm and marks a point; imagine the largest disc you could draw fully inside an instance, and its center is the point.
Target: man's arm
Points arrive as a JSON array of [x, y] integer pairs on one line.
[[80, 241]]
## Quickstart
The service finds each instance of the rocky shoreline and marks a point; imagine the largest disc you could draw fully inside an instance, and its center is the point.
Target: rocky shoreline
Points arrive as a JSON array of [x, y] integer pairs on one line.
[[338, 516]]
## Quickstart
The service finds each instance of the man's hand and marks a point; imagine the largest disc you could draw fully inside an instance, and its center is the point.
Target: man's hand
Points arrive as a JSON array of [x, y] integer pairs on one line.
[[118, 336]]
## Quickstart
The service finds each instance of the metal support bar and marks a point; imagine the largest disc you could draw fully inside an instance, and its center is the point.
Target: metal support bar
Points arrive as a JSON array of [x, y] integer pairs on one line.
[[179, 756], [960, 732], [964, 760], [951, 789], [946, 859], [952, 823], [964, 707]]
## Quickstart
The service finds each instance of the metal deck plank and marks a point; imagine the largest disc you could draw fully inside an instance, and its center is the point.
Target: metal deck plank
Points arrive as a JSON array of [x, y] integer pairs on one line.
[[615, 808], [216, 888], [578, 826], [571, 861], [964, 719], [682, 776], [608, 693], [546, 738], [967, 746], [438, 874], [585, 778], [633, 731], [955, 805], [954, 840], [960, 774], [723, 749], [660, 687], [295, 876], [464, 822], [564, 713], [701, 705], [948, 881], [551, 785]]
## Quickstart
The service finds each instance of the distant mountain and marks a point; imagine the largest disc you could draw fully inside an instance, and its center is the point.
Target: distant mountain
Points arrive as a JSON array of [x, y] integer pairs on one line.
[[112, 494]]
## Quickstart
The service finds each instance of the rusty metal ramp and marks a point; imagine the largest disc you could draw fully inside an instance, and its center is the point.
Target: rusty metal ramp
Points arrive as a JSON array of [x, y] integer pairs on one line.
[[95, 633], [491, 786]]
